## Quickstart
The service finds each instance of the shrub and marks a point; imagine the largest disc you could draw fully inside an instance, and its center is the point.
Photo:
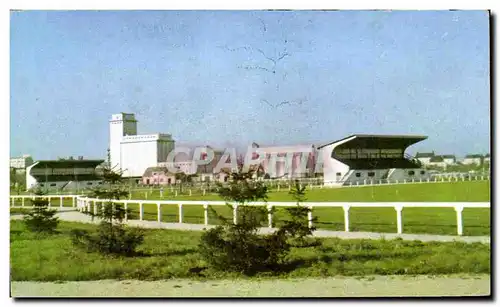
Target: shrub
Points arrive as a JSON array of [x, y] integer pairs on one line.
[[41, 219]]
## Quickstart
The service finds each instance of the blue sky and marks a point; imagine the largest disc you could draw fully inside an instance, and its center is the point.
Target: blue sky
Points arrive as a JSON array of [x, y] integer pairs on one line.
[[207, 77]]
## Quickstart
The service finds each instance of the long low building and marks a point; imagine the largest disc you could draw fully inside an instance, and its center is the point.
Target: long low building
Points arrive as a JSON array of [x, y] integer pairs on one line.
[[59, 175]]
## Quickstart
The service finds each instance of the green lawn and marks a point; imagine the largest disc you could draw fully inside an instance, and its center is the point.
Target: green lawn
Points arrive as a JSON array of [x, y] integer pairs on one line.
[[468, 191], [171, 254]]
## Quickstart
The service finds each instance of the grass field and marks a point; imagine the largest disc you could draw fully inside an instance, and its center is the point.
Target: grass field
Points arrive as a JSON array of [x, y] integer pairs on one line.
[[468, 191], [171, 254]]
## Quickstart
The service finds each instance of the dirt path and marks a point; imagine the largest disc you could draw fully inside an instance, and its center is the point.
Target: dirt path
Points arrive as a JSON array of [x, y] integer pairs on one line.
[[319, 287]]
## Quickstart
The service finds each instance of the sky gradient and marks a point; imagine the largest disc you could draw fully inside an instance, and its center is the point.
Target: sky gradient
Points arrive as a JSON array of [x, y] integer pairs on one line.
[[215, 77]]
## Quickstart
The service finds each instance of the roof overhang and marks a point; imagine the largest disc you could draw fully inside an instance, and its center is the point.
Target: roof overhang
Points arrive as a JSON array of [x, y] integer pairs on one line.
[[377, 141], [67, 163]]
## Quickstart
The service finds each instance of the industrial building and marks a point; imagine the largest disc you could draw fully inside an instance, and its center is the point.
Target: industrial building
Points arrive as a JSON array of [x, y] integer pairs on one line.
[[362, 159], [132, 153]]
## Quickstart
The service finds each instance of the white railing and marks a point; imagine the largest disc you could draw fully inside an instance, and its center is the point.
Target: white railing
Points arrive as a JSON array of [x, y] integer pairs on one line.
[[61, 198], [84, 204]]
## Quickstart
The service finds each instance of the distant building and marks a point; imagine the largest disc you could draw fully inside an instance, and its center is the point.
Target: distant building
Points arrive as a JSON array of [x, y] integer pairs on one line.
[[437, 161], [486, 159], [21, 162], [473, 159], [158, 176], [424, 157], [449, 159], [285, 162], [63, 174]]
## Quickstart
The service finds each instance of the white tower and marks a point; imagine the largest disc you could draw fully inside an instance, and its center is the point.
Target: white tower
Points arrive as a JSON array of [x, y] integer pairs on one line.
[[120, 125]]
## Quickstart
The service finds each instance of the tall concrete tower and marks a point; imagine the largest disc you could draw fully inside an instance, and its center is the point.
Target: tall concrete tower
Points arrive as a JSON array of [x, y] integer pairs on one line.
[[120, 125]]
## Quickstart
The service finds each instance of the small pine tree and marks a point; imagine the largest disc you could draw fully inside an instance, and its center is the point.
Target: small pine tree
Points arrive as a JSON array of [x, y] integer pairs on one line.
[[112, 236], [41, 219], [297, 226]]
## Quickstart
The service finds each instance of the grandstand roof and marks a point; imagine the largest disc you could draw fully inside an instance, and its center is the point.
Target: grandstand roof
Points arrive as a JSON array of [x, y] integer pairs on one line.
[[66, 163], [379, 141]]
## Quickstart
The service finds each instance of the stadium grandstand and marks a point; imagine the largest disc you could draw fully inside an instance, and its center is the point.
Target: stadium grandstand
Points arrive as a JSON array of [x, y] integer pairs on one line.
[[63, 175], [372, 158]]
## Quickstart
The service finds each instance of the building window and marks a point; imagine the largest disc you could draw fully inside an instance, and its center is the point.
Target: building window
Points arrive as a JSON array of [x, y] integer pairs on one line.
[[41, 184], [161, 179], [371, 174], [358, 175], [225, 179], [169, 180], [422, 172], [339, 174], [89, 183], [52, 184], [411, 173]]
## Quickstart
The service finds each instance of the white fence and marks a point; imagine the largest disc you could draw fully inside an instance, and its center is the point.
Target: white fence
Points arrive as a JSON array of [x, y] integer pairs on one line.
[[84, 204], [61, 198]]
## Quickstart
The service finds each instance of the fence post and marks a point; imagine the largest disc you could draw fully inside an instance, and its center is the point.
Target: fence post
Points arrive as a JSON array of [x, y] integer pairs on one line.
[[141, 211], [22, 202], [270, 216], [205, 207], [73, 203], [235, 214], [346, 217], [180, 213], [190, 193], [12, 202], [310, 217], [203, 192], [49, 202], [61, 202], [95, 208], [126, 211], [399, 209], [460, 229], [159, 212]]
